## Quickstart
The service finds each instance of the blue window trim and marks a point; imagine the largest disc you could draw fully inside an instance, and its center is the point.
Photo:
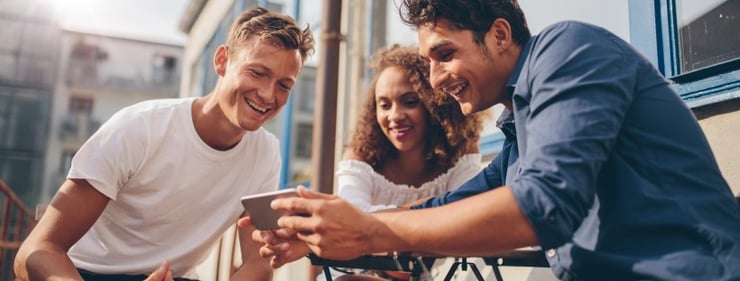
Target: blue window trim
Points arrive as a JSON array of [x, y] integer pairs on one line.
[[704, 86], [287, 130]]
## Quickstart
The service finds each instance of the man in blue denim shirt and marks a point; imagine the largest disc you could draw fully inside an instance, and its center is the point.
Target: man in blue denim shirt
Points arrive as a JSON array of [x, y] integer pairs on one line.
[[604, 166]]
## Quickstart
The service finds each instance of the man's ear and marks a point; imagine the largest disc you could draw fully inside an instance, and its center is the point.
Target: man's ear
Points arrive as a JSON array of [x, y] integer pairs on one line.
[[221, 59], [499, 34]]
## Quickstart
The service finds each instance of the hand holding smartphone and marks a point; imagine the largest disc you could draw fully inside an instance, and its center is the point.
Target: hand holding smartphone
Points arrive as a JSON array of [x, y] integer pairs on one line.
[[258, 207]]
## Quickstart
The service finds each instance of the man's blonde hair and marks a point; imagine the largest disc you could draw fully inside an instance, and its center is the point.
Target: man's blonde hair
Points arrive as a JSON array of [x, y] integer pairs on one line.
[[280, 29]]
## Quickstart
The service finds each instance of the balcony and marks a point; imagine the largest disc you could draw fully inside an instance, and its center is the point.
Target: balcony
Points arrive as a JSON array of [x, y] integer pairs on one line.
[[86, 74], [16, 222]]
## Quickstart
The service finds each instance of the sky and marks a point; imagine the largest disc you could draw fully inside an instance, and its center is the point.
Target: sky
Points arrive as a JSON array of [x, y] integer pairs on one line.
[[157, 20], [153, 20]]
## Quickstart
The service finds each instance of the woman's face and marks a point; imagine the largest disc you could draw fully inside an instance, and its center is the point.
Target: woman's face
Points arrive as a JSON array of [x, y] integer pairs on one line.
[[400, 113]]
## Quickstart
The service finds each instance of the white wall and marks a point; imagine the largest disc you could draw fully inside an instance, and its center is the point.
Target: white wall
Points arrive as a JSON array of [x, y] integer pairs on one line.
[[612, 15]]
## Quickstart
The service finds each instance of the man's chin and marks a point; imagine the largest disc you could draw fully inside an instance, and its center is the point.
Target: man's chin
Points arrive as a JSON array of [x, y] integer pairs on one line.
[[250, 125], [467, 109]]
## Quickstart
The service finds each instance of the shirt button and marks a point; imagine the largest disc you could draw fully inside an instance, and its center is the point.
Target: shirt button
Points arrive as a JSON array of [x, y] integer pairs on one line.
[[550, 253]]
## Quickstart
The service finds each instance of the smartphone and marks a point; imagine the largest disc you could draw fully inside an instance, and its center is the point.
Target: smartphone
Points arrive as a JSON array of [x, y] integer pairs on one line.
[[258, 207]]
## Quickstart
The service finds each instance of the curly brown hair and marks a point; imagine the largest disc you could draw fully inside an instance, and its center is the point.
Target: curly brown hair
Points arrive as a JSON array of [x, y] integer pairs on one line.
[[450, 133]]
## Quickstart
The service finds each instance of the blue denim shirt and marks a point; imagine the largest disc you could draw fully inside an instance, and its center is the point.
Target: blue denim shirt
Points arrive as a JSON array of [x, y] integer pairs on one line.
[[610, 166]]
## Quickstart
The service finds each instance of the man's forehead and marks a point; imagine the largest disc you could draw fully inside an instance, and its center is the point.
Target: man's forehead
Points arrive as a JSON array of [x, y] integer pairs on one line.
[[431, 37], [283, 62]]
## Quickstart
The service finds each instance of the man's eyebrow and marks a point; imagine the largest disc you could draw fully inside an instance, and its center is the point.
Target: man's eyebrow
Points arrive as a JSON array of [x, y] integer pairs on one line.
[[438, 45], [267, 71], [290, 80], [259, 66]]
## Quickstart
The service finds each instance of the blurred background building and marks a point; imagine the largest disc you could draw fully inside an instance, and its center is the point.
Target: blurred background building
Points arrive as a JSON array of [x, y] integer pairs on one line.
[[29, 53], [101, 74], [57, 86]]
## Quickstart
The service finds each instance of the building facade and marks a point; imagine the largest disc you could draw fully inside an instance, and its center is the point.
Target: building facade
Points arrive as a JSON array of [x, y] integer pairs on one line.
[[99, 75], [28, 35]]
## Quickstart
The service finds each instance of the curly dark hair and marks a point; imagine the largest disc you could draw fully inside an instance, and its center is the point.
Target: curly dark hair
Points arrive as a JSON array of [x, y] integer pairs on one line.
[[280, 29], [474, 15], [450, 134]]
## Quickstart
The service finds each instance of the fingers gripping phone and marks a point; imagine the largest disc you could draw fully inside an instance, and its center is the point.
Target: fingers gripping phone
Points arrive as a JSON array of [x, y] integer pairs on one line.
[[258, 207]]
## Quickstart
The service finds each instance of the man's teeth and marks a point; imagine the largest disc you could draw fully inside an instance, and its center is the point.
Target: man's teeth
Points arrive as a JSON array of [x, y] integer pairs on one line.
[[256, 107], [455, 90]]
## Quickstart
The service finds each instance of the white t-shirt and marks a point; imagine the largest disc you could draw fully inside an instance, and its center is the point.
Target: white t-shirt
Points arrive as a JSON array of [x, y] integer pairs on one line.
[[172, 195], [362, 186]]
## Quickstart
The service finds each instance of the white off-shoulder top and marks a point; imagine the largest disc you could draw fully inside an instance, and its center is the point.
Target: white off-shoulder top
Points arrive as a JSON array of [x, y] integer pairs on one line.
[[370, 191]]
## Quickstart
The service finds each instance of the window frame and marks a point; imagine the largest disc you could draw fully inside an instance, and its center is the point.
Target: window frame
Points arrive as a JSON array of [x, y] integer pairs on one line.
[[708, 85]]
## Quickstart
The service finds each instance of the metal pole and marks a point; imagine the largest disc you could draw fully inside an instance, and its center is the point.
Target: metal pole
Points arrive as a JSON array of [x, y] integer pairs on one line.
[[325, 114]]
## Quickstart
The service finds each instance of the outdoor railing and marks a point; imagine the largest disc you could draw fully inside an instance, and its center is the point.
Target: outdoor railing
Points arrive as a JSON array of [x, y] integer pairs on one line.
[[16, 222]]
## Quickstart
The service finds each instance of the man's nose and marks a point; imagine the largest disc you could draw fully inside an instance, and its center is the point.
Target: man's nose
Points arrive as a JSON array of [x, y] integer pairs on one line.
[[267, 94], [436, 74]]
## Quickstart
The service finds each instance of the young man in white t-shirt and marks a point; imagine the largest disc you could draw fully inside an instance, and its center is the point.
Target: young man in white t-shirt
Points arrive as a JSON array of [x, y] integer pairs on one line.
[[150, 193]]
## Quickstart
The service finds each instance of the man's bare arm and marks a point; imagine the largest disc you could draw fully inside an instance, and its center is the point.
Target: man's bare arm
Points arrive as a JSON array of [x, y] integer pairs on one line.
[[253, 267], [72, 211], [480, 225]]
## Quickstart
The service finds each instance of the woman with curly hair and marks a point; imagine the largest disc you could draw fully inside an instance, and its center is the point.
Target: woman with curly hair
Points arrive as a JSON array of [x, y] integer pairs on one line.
[[411, 142]]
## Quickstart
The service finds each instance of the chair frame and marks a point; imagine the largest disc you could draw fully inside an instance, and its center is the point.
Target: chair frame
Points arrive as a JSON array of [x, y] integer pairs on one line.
[[417, 265]]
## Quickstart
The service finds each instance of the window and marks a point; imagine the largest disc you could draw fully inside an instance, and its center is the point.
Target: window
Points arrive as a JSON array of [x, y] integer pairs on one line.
[[78, 124], [5, 107], [80, 106], [305, 95], [66, 163], [709, 33], [164, 69], [23, 119], [693, 43], [303, 140], [84, 59]]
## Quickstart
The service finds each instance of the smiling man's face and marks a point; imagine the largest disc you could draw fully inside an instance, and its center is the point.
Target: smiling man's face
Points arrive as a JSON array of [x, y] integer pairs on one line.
[[257, 79], [470, 72]]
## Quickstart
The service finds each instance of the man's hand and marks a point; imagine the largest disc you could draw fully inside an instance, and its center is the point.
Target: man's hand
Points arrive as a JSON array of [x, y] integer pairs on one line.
[[331, 227], [280, 246], [162, 273]]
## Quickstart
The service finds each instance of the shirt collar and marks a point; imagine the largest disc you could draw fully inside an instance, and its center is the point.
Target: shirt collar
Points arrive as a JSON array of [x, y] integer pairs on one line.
[[505, 122], [511, 83]]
